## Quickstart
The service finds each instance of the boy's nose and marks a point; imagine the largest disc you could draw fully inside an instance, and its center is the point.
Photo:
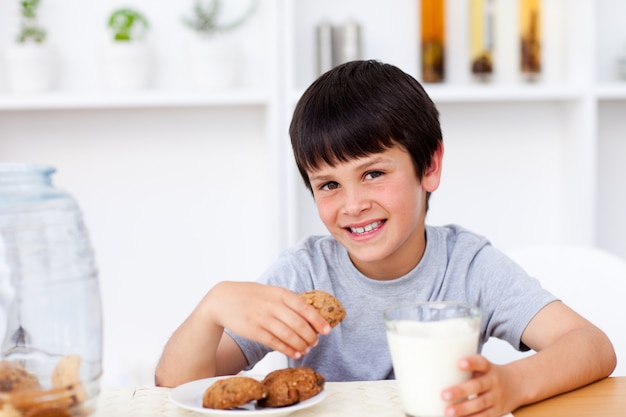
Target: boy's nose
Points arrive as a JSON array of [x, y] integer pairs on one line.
[[356, 202]]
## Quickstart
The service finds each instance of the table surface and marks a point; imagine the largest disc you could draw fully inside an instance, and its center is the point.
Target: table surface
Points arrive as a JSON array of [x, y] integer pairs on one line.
[[606, 398]]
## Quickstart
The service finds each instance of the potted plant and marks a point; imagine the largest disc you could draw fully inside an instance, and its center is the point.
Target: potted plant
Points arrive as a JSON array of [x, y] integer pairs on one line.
[[215, 56], [127, 62], [30, 59]]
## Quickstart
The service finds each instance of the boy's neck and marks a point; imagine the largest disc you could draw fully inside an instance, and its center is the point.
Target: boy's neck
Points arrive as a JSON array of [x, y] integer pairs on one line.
[[397, 265]]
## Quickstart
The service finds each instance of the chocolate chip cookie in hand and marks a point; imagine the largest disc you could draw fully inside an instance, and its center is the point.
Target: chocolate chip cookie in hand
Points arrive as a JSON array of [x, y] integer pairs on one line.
[[327, 305]]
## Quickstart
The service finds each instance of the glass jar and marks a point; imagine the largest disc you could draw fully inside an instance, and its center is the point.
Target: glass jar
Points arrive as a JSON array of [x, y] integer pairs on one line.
[[50, 305]]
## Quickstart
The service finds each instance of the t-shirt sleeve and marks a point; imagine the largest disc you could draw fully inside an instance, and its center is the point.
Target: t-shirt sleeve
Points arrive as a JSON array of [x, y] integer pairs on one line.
[[508, 296]]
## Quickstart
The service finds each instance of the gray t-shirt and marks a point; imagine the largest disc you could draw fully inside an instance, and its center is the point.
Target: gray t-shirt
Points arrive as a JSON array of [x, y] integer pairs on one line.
[[457, 265]]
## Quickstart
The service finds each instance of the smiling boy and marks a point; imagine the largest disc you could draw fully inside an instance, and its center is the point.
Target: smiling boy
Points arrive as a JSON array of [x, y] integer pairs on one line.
[[368, 144]]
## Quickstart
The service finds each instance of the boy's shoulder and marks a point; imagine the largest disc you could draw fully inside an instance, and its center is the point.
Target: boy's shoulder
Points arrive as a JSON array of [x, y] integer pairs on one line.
[[453, 245], [452, 235], [308, 264], [315, 244]]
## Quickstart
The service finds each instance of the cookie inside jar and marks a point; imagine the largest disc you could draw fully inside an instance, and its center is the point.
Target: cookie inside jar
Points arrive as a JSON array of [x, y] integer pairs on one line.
[[24, 392]]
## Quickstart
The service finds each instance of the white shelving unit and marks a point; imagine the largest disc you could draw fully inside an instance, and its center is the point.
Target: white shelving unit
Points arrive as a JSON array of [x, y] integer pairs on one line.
[[525, 163], [60, 100], [178, 186]]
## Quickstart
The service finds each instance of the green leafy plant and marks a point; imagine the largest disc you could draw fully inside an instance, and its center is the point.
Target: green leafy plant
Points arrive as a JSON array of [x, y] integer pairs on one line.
[[206, 18], [127, 25], [29, 27]]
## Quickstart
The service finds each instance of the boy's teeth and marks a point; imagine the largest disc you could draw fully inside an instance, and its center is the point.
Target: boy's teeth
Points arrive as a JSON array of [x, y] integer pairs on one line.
[[366, 228]]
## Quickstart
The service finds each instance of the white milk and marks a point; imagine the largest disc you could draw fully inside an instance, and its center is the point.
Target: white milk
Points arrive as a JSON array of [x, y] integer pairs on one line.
[[425, 358]]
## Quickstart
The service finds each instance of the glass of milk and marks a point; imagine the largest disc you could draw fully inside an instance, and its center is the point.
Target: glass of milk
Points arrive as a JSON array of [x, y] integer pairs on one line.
[[426, 341]]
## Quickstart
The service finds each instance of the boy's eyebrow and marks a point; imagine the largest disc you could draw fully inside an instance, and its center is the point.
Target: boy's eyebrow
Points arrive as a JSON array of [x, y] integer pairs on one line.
[[317, 178], [363, 166]]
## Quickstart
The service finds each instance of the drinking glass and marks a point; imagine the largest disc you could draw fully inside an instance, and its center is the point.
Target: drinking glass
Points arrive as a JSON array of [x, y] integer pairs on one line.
[[426, 341]]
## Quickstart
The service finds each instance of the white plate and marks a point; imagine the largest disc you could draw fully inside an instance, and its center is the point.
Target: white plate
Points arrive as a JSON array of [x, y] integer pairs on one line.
[[189, 396]]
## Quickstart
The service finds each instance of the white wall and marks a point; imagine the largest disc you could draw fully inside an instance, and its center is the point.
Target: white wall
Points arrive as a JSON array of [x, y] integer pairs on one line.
[[174, 199], [492, 161], [611, 157]]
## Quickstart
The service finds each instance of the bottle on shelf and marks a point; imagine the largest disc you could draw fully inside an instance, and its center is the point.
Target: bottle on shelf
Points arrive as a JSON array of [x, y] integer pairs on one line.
[[482, 39], [530, 38], [324, 44], [346, 42], [337, 44], [433, 40]]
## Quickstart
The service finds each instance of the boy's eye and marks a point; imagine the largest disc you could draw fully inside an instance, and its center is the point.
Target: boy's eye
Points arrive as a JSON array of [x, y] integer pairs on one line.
[[332, 185], [373, 174]]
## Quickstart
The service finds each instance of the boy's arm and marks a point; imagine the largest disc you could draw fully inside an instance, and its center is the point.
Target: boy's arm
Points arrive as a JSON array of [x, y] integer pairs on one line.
[[191, 352], [571, 352], [271, 315]]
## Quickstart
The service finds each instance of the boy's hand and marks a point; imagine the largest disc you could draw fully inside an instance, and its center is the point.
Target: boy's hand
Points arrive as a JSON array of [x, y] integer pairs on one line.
[[489, 393], [274, 316]]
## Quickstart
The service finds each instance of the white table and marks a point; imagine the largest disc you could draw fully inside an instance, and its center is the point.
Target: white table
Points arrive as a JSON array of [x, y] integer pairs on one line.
[[606, 398], [343, 399]]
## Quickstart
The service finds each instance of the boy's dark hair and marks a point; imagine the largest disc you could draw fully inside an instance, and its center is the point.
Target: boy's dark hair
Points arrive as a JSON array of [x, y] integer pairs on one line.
[[361, 108]]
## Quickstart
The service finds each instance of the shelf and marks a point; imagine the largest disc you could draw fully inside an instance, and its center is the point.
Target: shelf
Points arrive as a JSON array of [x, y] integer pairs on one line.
[[494, 93], [154, 98], [612, 91], [63, 100], [442, 93]]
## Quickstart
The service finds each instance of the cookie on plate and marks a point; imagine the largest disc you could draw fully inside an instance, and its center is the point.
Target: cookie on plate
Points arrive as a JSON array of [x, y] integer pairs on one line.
[[233, 392], [291, 385], [327, 304]]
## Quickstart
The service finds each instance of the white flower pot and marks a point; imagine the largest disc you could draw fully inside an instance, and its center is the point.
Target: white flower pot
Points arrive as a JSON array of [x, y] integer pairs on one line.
[[127, 66], [215, 63], [30, 67]]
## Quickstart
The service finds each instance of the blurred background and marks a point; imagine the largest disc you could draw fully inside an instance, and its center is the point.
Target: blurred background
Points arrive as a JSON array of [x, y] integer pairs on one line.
[[185, 180]]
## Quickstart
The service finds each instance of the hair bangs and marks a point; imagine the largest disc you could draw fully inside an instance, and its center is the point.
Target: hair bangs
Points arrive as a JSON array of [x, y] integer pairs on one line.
[[342, 140]]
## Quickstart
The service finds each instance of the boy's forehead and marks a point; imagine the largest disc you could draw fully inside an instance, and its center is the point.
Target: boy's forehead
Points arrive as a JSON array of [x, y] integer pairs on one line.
[[345, 161], [350, 162]]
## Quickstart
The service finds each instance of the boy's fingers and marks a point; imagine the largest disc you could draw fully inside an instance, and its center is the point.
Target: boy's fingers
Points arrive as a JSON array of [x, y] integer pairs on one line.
[[329, 311], [286, 334], [309, 314], [475, 363]]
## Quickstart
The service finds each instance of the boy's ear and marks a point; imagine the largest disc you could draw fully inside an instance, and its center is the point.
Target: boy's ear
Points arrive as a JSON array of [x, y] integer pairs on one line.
[[432, 177]]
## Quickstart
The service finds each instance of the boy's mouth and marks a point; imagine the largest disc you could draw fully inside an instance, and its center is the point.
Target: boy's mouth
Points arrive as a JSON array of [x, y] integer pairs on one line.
[[361, 230]]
